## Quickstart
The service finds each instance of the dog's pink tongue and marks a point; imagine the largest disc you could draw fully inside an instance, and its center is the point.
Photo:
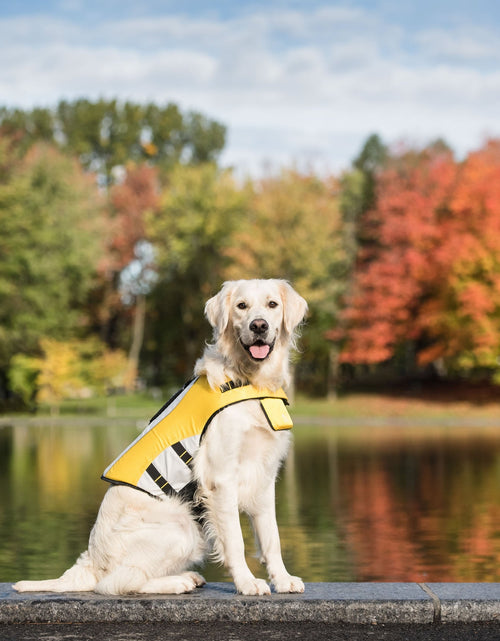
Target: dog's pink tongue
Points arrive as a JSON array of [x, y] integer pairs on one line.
[[259, 351]]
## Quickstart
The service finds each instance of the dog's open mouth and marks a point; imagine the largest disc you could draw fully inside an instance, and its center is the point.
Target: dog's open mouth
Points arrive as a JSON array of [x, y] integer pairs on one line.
[[259, 350]]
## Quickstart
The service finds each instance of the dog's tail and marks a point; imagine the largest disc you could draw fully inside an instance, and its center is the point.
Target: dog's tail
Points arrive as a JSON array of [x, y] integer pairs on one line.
[[79, 578]]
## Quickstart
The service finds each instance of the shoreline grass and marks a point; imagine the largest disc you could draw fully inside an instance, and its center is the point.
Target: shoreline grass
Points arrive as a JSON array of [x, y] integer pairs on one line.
[[380, 403], [389, 405]]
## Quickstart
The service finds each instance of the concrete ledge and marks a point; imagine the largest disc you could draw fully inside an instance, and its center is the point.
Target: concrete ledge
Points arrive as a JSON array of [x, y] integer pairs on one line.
[[467, 602], [339, 603]]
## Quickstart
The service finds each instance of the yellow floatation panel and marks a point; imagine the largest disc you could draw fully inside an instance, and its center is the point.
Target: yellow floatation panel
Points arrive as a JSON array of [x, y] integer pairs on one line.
[[159, 460]]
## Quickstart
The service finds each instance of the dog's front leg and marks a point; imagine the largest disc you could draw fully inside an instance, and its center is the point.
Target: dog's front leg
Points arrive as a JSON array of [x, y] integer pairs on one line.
[[224, 517], [266, 529]]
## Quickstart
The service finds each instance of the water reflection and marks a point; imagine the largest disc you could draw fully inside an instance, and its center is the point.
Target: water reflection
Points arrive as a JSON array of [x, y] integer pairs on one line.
[[390, 504]]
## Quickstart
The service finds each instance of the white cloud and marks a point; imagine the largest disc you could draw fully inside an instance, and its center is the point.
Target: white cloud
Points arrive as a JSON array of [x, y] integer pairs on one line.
[[289, 84], [38, 31], [471, 45], [151, 33]]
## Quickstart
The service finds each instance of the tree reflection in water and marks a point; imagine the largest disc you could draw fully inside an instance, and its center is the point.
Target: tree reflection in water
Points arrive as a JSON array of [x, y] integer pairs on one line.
[[380, 504]]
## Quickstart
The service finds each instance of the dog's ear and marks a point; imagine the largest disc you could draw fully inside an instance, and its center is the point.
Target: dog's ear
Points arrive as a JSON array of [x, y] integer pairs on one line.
[[217, 308], [294, 307]]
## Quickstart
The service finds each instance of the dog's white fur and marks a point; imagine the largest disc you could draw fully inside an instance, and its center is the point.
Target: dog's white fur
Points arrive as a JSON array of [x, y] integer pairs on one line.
[[140, 544]]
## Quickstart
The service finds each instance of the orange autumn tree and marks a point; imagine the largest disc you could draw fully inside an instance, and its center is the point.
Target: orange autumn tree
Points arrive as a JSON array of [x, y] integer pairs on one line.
[[430, 275]]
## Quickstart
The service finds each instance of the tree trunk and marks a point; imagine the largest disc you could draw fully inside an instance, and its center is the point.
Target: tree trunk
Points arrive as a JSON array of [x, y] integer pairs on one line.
[[137, 340], [333, 373]]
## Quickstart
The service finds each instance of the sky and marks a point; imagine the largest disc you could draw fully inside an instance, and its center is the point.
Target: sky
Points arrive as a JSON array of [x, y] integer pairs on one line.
[[297, 83]]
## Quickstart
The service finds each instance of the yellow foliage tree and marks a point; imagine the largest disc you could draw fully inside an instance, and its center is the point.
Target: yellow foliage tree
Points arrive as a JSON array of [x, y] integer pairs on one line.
[[293, 230], [72, 369], [110, 371], [59, 373]]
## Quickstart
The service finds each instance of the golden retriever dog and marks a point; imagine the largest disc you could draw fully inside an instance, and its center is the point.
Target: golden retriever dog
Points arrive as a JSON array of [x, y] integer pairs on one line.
[[144, 544]]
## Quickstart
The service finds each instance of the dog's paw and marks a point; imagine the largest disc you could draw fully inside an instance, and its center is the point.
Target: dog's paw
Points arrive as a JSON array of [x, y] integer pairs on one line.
[[21, 586], [184, 583], [288, 584], [253, 587], [196, 578], [176, 584]]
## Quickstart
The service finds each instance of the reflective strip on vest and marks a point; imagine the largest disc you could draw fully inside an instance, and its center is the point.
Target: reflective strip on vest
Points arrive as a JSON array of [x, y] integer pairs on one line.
[[159, 460]]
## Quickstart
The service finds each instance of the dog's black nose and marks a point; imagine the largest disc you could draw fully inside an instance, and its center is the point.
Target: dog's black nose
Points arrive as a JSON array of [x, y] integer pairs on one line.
[[259, 326]]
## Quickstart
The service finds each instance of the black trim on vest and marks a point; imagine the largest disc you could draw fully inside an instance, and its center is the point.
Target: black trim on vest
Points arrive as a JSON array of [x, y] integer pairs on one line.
[[160, 481], [171, 400], [182, 453]]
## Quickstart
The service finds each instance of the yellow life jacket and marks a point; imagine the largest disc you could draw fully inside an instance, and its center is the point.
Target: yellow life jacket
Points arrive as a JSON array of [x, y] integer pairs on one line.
[[159, 460]]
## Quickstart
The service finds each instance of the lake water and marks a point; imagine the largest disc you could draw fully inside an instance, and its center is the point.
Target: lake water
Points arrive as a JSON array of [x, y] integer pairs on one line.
[[354, 503]]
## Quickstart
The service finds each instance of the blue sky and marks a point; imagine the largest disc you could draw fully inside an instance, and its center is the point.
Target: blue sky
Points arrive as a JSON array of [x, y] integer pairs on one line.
[[295, 82]]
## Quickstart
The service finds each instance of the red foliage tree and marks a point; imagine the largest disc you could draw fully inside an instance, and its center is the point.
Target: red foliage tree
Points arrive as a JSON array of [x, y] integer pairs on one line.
[[431, 271], [129, 201]]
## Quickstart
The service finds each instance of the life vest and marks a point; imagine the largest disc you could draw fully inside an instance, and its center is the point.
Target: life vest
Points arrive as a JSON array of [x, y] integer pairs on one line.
[[159, 460]]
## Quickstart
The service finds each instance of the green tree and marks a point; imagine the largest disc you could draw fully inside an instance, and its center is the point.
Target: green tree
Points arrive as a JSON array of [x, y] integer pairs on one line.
[[107, 134], [50, 245], [358, 194], [357, 197], [201, 208], [369, 162], [205, 137], [22, 377]]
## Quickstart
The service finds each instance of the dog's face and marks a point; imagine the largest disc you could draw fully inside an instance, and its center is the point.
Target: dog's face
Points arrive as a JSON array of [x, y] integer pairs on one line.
[[256, 315]]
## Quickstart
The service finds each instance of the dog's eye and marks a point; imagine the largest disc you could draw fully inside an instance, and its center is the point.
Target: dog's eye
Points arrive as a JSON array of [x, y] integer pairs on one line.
[[273, 303], [241, 305]]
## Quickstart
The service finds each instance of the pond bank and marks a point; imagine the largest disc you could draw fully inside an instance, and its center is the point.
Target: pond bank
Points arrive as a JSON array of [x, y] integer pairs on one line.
[[327, 603], [86, 420]]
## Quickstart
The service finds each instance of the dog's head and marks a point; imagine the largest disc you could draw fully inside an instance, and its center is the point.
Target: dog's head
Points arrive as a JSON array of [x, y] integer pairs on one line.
[[256, 316]]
